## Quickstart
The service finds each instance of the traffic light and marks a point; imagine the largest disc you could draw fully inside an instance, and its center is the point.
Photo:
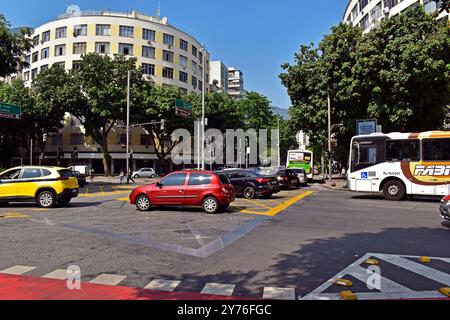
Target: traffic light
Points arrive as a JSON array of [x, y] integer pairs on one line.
[[163, 125], [75, 154], [44, 137]]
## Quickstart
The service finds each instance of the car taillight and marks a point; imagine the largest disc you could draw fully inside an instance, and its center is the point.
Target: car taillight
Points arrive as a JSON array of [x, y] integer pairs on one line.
[[62, 178], [262, 180]]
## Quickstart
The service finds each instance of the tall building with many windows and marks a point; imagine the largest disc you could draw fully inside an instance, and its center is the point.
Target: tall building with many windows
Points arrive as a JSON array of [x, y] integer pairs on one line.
[[167, 56], [367, 13], [235, 83]]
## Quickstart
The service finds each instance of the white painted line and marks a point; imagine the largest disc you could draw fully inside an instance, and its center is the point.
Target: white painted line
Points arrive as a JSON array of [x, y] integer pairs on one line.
[[379, 295], [271, 293], [218, 289], [387, 286], [18, 270], [108, 279], [58, 274], [163, 285], [420, 269]]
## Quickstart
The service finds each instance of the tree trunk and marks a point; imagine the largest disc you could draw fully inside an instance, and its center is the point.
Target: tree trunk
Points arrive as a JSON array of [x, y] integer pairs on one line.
[[106, 156]]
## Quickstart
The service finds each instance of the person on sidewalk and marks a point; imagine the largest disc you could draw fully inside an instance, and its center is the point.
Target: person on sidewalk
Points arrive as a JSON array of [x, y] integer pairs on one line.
[[343, 172], [122, 176], [91, 175], [129, 176]]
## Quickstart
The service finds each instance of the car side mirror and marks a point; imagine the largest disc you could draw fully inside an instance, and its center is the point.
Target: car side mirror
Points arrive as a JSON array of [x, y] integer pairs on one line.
[[159, 185]]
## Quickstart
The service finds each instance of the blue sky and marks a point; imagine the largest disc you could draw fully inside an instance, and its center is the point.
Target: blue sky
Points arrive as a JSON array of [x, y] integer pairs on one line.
[[254, 35]]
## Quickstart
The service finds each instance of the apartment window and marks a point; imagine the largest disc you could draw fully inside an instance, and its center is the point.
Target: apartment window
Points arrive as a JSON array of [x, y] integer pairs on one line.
[[194, 51], [36, 40], [148, 69], [126, 31], [61, 32], [103, 30], [102, 47], [183, 76], [431, 6], [184, 45], [35, 57], [76, 64], [45, 36], [34, 73], [45, 53], [60, 50], [26, 76], [365, 22], [183, 61], [167, 73], [375, 13], [148, 52], [80, 30], [200, 56], [28, 59], [44, 67], [79, 48], [194, 67], [61, 64], [194, 82], [148, 34], [200, 85], [363, 4], [126, 49], [390, 3], [76, 139], [168, 39], [167, 56], [200, 70], [146, 140]]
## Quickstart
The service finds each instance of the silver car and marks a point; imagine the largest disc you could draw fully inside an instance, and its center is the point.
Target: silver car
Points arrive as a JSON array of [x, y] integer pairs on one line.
[[301, 174], [144, 173]]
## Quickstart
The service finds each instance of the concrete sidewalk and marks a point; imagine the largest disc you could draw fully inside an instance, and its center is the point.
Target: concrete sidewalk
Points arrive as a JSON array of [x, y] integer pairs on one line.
[[337, 183]]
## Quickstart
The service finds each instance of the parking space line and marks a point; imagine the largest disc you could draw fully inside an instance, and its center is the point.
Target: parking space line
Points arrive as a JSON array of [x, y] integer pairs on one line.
[[288, 203], [102, 191], [108, 279], [218, 289], [17, 270], [58, 274], [258, 204], [271, 293], [163, 285]]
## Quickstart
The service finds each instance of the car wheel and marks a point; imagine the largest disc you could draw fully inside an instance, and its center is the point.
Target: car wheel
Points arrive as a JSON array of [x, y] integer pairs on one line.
[[153, 176], [267, 195], [210, 205], [143, 203], [135, 176], [46, 199], [394, 190], [249, 193]]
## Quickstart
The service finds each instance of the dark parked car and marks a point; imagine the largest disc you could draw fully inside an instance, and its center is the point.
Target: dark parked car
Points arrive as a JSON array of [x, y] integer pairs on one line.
[[81, 178], [250, 184], [288, 179], [445, 208], [302, 176]]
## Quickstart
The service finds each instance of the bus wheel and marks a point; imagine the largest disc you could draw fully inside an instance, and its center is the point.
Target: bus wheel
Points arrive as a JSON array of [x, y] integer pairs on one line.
[[394, 190]]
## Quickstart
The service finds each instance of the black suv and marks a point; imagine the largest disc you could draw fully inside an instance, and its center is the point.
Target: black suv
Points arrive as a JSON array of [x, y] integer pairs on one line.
[[250, 184]]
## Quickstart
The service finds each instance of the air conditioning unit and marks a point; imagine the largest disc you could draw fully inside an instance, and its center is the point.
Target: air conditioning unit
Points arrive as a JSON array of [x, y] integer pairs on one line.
[[147, 77], [386, 11]]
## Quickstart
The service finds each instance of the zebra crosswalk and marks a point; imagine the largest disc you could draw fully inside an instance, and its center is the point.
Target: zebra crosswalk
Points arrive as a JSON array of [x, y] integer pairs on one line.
[[392, 285]]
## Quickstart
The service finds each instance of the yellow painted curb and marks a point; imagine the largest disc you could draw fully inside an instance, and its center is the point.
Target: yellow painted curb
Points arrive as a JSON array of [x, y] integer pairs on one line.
[[372, 262], [445, 291], [344, 282], [425, 259], [348, 295]]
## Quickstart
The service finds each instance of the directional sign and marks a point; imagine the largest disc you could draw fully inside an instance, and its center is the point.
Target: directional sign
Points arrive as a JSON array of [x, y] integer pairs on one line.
[[183, 108], [365, 127], [10, 111]]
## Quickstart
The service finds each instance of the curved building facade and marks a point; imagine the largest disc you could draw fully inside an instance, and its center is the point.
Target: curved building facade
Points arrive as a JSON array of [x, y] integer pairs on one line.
[[167, 55], [367, 13]]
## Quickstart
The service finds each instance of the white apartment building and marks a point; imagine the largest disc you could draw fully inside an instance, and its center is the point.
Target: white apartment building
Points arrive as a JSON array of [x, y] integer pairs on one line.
[[218, 76], [235, 83], [367, 13]]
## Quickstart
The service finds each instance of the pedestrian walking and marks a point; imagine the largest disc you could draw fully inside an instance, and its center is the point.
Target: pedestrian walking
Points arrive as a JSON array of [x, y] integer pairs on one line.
[[91, 175], [343, 172], [122, 177], [129, 176]]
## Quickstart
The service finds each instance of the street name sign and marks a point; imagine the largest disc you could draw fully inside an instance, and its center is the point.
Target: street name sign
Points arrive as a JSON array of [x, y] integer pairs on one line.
[[183, 108], [10, 111]]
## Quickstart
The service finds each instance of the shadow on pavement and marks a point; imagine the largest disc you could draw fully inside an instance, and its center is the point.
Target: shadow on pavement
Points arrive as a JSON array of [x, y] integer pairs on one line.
[[409, 200]]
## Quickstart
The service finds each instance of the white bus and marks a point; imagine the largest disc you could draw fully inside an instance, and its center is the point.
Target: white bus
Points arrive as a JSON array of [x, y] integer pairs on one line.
[[301, 159], [401, 164]]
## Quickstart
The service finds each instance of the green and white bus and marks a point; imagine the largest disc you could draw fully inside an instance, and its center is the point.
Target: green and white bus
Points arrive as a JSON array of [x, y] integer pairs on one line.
[[301, 159]]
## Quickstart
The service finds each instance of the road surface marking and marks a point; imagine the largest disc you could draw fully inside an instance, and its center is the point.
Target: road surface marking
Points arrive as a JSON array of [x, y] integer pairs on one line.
[[123, 199], [271, 293], [17, 270], [257, 203], [13, 215], [218, 289], [288, 203], [58, 274], [163, 285], [108, 279]]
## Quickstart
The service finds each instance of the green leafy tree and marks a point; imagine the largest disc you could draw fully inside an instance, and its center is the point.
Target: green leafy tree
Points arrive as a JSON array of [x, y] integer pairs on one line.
[[101, 83], [12, 47], [255, 112]]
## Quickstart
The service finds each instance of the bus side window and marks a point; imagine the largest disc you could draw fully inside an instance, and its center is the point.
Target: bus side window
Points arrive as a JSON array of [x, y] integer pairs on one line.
[[436, 150], [402, 150]]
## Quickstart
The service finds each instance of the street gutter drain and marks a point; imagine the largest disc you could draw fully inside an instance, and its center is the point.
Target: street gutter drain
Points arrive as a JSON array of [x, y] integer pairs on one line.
[[372, 262], [445, 291], [425, 259], [344, 282], [348, 295]]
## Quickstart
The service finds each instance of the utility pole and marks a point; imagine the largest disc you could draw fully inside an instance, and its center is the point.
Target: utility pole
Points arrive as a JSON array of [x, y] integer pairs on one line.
[[128, 121], [278, 142], [329, 135], [202, 144], [31, 151]]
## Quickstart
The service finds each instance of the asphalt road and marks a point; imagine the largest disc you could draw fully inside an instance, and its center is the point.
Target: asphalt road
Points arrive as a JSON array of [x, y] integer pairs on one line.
[[296, 241]]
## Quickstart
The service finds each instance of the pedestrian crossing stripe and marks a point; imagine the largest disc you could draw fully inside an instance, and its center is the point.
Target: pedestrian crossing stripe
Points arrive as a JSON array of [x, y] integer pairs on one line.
[[389, 289]]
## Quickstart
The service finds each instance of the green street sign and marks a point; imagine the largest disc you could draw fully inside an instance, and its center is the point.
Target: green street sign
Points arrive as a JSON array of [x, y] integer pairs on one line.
[[180, 104], [10, 111]]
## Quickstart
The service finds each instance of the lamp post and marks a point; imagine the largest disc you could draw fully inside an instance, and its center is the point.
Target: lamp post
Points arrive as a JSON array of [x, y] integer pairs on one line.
[[202, 133], [329, 136], [128, 122]]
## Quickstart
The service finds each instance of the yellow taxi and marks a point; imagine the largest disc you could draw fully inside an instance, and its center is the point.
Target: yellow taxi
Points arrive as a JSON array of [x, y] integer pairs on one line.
[[47, 186]]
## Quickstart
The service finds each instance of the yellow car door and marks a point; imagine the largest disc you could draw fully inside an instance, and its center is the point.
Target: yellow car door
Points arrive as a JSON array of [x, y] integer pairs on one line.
[[8, 184], [29, 182]]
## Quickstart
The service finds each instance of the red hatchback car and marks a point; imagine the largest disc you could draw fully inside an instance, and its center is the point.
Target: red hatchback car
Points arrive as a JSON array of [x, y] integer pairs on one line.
[[209, 190]]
